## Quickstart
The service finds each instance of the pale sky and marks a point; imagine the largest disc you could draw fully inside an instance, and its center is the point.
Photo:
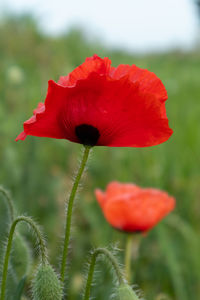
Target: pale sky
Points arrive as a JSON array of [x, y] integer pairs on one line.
[[136, 25]]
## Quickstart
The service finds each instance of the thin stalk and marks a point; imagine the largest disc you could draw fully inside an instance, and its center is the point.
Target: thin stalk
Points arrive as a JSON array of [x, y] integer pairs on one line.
[[9, 203], [129, 242], [69, 212], [111, 259], [43, 250]]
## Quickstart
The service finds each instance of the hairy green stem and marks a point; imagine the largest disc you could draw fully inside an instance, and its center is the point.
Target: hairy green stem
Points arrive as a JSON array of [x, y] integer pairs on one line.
[[111, 259], [69, 212], [42, 246], [129, 241], [9, 203]]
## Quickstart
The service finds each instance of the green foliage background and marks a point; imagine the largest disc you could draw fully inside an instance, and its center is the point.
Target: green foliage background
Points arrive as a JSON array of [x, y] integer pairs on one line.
[[39, 171]]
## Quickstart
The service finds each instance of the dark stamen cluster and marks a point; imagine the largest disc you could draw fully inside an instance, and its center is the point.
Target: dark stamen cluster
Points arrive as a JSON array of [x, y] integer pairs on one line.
[[87, 134]]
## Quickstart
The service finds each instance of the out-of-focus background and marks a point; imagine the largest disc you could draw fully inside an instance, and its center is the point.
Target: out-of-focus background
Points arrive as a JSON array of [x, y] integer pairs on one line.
[[44, 40]]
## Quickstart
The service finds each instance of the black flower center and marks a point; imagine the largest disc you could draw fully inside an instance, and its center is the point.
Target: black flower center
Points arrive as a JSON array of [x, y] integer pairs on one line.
[[87, 134]]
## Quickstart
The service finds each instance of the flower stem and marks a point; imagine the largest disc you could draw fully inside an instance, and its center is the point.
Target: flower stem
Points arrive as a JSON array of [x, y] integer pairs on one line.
[[69, 212], [9, 203], [129, 241], [111, 259], [41, 242]]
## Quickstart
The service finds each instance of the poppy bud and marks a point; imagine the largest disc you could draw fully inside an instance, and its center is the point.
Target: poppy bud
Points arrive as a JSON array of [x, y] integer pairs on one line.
[[46, 284], [21, 257], [125, 292]]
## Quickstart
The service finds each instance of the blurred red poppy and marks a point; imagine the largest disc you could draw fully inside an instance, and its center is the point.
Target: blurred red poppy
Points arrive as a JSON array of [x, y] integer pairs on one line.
[[97, 104], [130, 208]]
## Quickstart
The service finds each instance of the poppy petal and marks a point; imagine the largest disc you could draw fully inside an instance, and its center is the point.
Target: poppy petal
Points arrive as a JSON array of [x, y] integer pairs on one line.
[[115, 189], [135, 120], [46, 119], [93, 64], [97, 104], [100, 197], [130, 208], [148, 81]]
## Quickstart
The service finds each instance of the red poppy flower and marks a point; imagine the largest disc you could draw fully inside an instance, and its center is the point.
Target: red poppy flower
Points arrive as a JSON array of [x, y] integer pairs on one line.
[[130, 208], [97, 104]]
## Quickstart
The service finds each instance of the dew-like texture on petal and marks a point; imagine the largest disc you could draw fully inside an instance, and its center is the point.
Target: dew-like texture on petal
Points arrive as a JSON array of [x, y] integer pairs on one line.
[[125, 105], [134, 209]]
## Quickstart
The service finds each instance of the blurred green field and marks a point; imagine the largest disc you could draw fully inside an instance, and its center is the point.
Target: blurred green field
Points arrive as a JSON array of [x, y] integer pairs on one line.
[[39, 171]]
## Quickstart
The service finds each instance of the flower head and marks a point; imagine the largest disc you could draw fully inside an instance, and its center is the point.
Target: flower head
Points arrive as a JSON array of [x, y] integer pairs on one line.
[[129, 208], [97, 104]]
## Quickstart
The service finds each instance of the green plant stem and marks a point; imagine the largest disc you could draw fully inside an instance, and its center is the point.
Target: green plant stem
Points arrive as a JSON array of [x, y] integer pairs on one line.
[[42, 247], [129, 242], [9, 203], [69, 212], [111, 259]]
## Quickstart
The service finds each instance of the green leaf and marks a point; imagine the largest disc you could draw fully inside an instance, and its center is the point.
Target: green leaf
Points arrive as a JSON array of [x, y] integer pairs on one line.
[[20, 288]]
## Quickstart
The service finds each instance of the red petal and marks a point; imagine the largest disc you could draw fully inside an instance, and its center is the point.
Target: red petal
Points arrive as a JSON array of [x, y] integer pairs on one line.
[[148, 81], [93, 64], [116, 189], [21, 136], [125, 104], [46, 121], [137, 211], [100, 197], [123, 114]]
